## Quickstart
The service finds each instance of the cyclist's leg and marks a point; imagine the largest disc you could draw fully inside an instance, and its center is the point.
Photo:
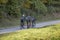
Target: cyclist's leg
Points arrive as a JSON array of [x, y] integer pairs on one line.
[[27, 24], [33, 24], [30, 24], [22, 25]]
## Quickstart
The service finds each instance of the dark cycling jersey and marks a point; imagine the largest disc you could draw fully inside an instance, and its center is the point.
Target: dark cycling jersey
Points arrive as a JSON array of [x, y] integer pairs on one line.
[[22, 19], [28, 18]]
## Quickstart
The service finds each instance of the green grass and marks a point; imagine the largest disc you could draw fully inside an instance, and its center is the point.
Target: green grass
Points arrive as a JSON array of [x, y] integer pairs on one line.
[[9, 23], [42, 18], [48, 33]]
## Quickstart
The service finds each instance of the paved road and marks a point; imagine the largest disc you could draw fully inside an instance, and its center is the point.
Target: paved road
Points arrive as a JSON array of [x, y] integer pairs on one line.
[[41, 24]]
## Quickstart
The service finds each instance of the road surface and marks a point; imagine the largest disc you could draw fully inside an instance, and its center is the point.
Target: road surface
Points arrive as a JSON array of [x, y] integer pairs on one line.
[[41, 24]]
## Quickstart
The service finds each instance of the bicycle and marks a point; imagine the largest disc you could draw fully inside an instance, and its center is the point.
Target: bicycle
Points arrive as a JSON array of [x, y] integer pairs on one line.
[[29, 25]]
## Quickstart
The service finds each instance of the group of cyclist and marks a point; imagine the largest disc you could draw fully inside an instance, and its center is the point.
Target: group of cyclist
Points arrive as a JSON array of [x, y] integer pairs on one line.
[[30, 21]]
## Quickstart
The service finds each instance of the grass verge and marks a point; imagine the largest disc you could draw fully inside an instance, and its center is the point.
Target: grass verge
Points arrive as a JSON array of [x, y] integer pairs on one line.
[[49, 33]]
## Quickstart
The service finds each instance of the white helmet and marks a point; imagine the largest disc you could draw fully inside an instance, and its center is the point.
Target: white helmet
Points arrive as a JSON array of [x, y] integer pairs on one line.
[[23, 15]]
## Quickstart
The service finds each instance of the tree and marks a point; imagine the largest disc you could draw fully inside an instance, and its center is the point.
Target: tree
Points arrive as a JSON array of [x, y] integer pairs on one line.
[[3, 1], [13, 8]]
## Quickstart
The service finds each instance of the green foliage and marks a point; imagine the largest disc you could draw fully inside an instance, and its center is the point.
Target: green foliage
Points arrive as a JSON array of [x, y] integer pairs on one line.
[[51, 10], [13, 7], [3, 1], [40, 6], [10, 9]]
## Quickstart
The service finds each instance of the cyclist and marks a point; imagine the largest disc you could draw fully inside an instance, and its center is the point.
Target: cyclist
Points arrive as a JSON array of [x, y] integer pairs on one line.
[[22, 20], [28, 20]]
